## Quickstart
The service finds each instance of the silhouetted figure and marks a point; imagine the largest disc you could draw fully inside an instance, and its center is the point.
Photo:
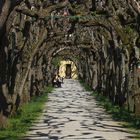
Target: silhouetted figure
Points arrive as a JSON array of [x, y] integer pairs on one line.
[[59, 81]]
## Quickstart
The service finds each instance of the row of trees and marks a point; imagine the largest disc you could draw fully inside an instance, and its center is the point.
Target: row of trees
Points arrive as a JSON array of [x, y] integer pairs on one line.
[[101, 37]]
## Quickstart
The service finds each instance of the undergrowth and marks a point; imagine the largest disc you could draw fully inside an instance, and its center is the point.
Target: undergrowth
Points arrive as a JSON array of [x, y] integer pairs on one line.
[[20, 123]]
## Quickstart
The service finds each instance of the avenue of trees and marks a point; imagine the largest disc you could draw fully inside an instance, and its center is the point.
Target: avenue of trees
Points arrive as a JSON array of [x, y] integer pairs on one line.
[[102, 37]]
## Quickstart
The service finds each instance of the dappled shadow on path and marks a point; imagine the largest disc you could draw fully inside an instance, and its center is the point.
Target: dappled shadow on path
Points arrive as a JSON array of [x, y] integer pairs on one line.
[[72, 113]]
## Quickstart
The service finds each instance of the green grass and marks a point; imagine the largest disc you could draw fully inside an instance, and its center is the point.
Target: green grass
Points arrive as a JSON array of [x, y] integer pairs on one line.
[[128, 118], [117, 113], [20, 123]]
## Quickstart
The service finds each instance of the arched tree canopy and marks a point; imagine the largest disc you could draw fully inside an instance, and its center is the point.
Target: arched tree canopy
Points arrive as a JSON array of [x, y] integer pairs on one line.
[[101, 37]]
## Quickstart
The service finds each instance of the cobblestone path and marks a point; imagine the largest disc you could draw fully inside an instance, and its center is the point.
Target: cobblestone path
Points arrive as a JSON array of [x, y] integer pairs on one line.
[[71, 113]]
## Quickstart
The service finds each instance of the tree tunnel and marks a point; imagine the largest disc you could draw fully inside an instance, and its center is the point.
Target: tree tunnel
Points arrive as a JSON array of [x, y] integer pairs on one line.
[[100, 37], [65, 62]]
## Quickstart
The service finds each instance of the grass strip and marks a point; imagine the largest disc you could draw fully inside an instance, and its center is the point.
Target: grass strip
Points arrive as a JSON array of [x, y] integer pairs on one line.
[[20, 123]]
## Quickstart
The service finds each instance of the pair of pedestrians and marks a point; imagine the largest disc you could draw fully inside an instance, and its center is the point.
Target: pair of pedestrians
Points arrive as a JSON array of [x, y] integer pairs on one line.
[[57, 81]]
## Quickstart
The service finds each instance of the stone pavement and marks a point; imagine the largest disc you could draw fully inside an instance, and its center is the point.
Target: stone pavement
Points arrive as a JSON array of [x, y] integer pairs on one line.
[[71, 113]]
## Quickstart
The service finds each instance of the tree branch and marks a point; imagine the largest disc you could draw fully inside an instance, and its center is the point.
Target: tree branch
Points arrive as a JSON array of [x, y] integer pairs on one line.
[[45, 12]]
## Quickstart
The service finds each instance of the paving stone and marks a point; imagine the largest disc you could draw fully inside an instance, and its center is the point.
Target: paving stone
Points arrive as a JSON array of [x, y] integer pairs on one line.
[[71, 113]]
